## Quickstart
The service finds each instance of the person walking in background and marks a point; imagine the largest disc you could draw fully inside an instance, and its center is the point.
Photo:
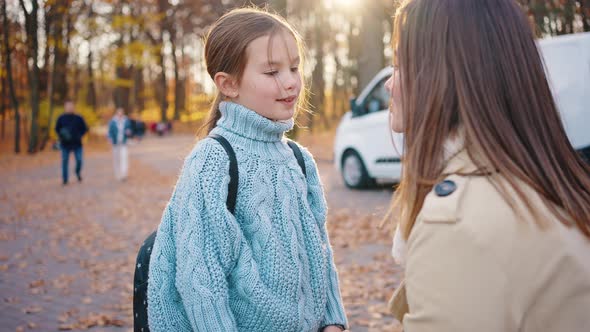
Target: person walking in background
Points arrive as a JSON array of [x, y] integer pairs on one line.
[[70, 128], [119, 130], [493, 208]]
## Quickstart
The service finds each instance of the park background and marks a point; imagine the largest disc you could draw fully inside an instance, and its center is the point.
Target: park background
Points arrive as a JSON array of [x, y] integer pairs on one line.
[[67, 254]]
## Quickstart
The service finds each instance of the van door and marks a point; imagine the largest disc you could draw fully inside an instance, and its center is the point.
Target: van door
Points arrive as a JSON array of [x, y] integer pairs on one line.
[[567, 63], [380, 155]]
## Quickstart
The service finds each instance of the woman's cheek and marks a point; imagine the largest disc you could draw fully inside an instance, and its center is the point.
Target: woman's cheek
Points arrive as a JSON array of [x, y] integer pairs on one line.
[[395, 107], [395, 117]]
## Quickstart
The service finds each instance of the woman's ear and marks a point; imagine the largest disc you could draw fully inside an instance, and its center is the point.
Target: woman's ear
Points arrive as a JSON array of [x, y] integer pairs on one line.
[[227, 84]]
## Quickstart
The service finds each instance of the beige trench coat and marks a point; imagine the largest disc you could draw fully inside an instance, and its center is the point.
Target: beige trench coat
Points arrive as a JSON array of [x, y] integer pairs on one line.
[[475, 265]]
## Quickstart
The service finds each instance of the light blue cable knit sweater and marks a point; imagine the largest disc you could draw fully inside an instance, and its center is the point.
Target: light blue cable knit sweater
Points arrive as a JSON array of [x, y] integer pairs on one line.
[[269, 267]]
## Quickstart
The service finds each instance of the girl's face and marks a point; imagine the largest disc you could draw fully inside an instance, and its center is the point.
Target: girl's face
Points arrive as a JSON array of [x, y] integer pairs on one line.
[[270, 86], [395, 106]]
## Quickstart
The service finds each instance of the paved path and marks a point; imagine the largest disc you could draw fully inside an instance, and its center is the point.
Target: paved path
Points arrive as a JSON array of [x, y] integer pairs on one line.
[[156, 153], [67, 253]]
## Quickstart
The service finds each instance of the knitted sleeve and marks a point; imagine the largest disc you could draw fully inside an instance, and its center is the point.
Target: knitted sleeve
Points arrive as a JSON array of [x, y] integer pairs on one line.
[[335, 314], [207, 239]]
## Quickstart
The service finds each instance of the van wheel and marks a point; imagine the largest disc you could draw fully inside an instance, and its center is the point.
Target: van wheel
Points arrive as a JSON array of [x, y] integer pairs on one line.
[[354, 172]]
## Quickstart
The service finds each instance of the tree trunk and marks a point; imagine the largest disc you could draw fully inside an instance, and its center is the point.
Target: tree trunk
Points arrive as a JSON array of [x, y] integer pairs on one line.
[[179, 97], [317, 77], [163, 8], [354, 52], [585, 10], [57, 90], [3, 105], [62, 47], [49, 12], [122, 89], [122, 70], [372, 58], [138, 99], [25, 124], [339, 103], [568, 16], [101, 91], [91, 93], [31, 25], [163, 88], [50, 94], [91, 88], [10, 82], [178, 84], [76, 82]]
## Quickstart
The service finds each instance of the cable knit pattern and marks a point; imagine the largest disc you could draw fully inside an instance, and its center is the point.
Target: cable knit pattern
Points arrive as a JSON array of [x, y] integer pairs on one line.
[[268, 267]]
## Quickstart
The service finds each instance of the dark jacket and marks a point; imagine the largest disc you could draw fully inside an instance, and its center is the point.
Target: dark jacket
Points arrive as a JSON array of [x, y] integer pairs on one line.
[[70, 128]]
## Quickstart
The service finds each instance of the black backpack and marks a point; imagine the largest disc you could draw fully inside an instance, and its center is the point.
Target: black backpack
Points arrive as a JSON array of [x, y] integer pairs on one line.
[[142, 263], [65, 135]]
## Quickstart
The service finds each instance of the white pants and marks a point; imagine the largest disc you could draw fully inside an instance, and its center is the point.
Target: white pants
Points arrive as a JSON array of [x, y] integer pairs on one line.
[[120, 161]]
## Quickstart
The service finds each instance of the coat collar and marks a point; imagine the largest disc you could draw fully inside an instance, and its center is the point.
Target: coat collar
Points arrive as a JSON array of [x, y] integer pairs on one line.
[[463, 163]]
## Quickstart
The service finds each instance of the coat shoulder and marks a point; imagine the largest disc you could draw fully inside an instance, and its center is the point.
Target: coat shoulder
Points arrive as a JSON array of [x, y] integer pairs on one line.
[[459, 198], [478, 210], [443, 203]]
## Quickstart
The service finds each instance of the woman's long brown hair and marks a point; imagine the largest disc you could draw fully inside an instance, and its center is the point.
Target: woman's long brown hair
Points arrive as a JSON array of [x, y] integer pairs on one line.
[[226, 44], [474, 65]]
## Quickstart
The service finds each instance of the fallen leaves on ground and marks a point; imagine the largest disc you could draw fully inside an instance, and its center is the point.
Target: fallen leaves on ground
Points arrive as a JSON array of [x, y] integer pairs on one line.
[[78, 244]]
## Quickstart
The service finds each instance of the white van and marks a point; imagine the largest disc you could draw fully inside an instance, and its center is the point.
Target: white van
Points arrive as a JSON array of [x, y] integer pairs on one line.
[[366, 151]]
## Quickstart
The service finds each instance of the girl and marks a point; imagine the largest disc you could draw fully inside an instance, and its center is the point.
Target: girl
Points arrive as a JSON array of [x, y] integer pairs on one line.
[[269, 265], [119, 131], [494, 203]]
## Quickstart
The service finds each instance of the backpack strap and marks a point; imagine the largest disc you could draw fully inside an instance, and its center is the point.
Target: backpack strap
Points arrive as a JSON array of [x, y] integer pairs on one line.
[[232, 191], [298, 155]]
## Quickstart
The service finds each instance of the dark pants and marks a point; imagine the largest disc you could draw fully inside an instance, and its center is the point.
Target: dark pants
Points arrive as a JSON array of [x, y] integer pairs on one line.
[[65, 160]]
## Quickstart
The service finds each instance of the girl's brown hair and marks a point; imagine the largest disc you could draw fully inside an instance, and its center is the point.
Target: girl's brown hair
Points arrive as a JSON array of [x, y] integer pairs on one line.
[[474, 65], [226, 44]]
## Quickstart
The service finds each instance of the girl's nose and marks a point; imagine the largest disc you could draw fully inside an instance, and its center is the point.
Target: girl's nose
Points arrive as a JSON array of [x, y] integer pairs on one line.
[[290, 80]]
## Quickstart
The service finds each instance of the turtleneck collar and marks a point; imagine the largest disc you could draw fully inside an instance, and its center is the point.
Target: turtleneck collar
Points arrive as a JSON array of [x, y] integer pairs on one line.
[[245, 122]]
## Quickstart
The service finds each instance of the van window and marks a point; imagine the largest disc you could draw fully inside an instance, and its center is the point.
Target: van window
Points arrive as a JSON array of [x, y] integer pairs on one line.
[[378, 99]]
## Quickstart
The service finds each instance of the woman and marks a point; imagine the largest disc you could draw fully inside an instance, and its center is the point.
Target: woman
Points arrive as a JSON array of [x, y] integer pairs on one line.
[[494, 203]]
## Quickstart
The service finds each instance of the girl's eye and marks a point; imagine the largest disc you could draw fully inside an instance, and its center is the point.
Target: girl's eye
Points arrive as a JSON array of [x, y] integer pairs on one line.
[[294, 69], [271, 73]]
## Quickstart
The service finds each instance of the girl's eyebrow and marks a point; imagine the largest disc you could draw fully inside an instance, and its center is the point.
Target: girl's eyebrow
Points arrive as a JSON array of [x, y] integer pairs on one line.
[[274, 63]]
